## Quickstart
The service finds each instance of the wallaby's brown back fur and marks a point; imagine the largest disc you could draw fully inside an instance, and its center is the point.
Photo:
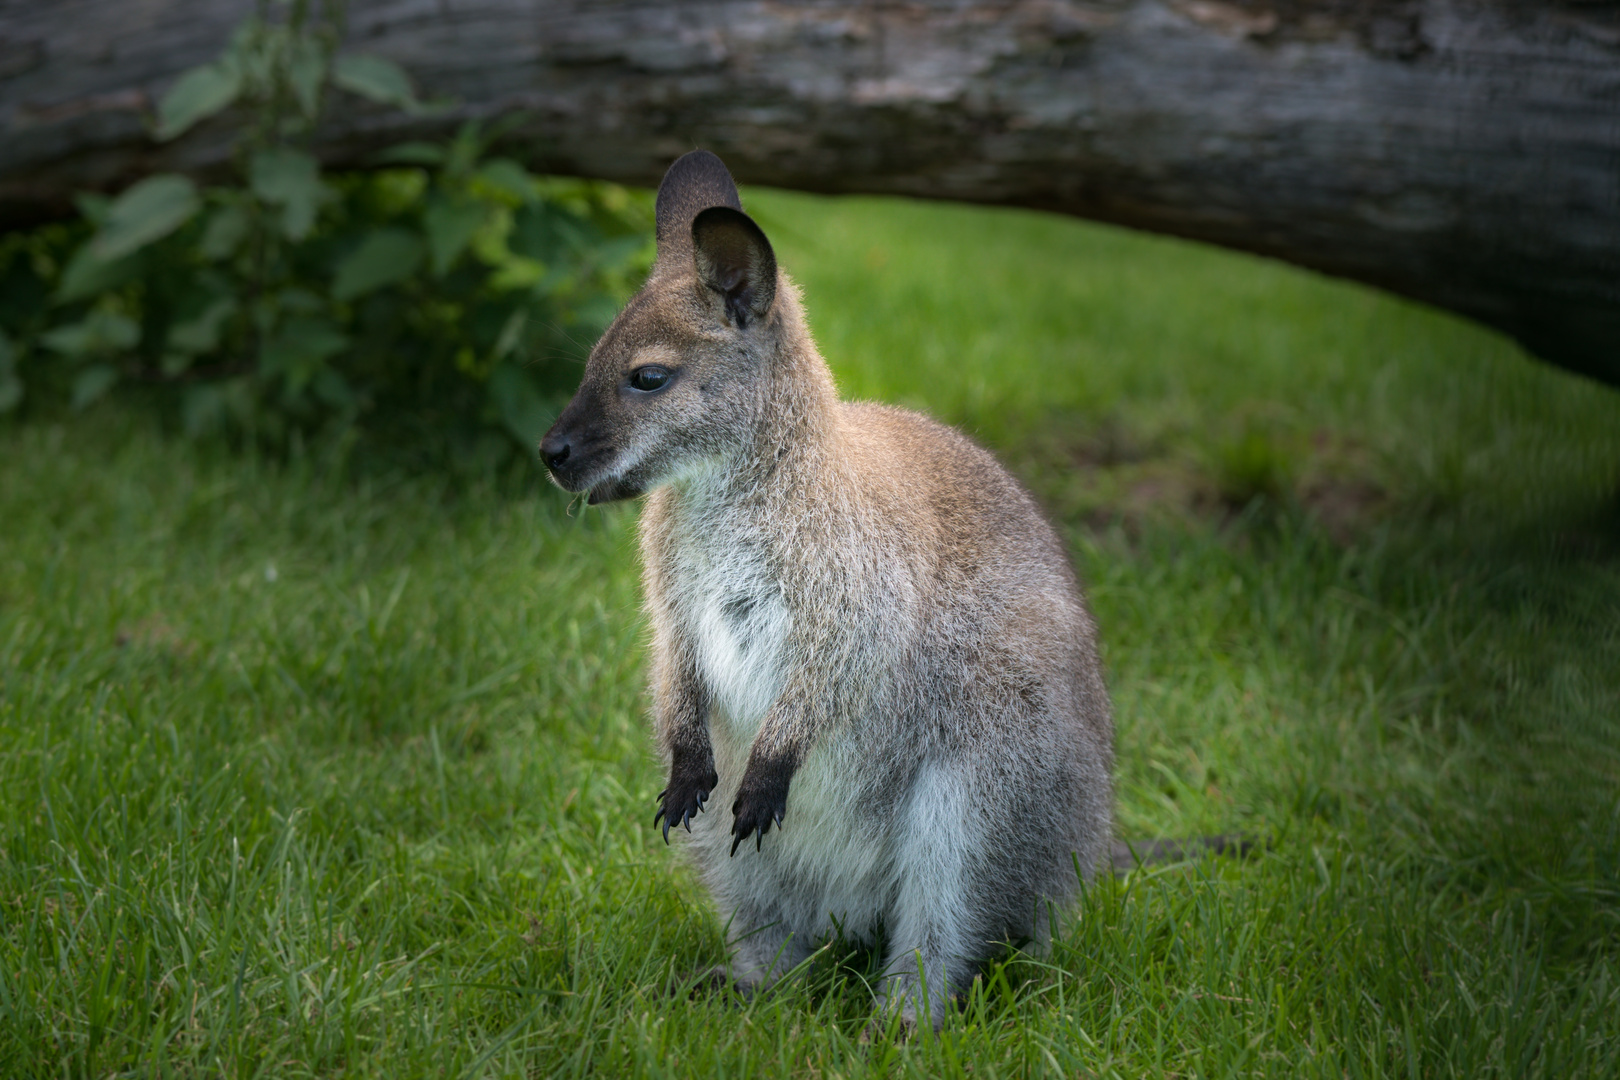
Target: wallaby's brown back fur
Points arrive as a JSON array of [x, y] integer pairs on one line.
[[864, 633]]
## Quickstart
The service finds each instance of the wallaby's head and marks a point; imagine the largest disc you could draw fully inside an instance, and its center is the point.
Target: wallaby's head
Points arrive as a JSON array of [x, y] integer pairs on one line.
[[677, 380]]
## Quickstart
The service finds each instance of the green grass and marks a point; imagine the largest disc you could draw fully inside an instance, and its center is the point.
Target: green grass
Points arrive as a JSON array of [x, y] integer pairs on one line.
[[315, 770]]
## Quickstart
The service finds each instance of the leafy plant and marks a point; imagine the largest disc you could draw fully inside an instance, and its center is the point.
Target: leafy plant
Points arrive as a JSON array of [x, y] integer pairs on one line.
[[424, 294]]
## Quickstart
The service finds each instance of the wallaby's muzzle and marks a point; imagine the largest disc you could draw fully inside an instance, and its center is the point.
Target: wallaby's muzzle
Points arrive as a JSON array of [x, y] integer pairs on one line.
[[557, 451], [577, 458]]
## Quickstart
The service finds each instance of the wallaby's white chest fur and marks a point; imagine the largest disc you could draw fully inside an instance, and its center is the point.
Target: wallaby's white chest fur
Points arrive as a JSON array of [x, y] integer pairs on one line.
[[739, 628], [731, 607]]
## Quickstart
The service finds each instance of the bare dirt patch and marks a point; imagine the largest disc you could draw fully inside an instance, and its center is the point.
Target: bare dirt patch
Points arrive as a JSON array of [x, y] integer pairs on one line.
[[1110, 473]]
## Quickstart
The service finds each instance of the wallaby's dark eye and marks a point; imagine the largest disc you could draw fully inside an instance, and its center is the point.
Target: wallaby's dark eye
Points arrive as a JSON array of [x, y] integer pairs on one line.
[[649, 378]]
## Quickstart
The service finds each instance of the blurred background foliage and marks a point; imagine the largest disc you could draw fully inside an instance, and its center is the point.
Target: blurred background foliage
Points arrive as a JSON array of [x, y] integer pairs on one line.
[[431, 302]]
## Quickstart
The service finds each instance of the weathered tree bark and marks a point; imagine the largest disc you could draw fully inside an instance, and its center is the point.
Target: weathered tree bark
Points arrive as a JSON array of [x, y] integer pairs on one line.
[[1463, 152]]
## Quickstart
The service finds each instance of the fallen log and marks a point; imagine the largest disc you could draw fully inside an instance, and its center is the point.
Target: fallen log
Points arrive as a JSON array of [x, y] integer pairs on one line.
[[1462, 152]]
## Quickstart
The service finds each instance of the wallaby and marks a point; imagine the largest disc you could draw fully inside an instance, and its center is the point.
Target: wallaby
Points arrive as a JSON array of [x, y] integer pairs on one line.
[[863, 632]]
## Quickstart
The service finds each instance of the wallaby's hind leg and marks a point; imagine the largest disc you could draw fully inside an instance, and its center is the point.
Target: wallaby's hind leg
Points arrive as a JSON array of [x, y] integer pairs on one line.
[[763, 947], [932, 951]]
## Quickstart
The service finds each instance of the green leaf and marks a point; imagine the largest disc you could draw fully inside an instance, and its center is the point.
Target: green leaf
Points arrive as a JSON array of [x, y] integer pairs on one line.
[[300, 347], [97, 334], [92, 206], [450, 225], [197, 95], [201, 334], [227, 228], [92, 383], [306, 69], [511, 332], [592, 316], [375, 79], [522, 407], [149, 211], [509, 178], [383, 258], [518, 272], [465, 149], [290, 179], [86, 275], [295, 299], [616, 254], [257, 46], [540, 232]]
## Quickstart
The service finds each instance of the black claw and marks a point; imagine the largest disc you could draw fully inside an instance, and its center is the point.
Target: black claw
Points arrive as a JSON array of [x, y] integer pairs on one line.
[[683, 800], [754, 812]]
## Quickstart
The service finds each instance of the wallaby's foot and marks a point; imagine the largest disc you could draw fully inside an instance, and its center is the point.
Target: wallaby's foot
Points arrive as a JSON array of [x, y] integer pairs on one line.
[[878, 1026], [960, 999], [717, 980]]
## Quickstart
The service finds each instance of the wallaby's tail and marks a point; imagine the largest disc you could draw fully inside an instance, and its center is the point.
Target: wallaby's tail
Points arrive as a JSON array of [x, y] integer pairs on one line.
[[1130, 854]]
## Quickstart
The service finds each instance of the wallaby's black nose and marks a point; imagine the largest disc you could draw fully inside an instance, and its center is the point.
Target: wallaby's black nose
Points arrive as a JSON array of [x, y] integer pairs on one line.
[[553, 451]]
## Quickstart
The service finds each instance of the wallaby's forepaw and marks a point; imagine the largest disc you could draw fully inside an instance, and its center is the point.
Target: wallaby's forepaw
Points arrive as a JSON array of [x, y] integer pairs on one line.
[[684, 798], [761, 801]]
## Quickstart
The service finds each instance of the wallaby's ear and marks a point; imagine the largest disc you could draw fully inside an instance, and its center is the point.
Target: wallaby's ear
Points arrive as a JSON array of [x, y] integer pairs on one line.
[[694, 183], [735, 260]]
